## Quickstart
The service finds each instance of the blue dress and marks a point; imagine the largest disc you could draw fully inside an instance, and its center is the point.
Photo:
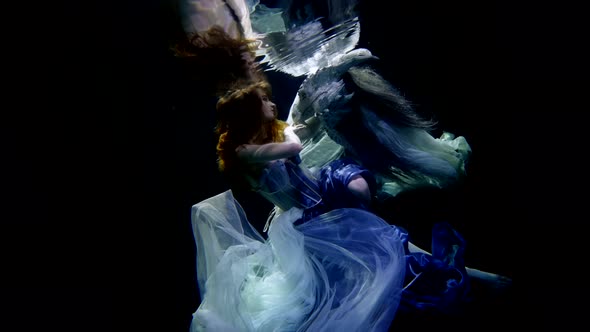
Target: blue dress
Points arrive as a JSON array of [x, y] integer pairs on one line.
[[323, 267]]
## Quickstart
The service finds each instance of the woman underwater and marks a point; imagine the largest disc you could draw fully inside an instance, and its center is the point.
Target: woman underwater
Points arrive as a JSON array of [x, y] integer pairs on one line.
[[322, 267], [328, 263]]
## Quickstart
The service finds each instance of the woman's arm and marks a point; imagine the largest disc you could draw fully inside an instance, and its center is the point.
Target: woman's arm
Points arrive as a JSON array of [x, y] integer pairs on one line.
[[491, 279], [251, 153]]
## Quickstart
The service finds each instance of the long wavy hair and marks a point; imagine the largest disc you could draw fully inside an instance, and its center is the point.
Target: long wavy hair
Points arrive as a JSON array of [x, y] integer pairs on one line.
[[240, 120], [386, 99], [214, 56]]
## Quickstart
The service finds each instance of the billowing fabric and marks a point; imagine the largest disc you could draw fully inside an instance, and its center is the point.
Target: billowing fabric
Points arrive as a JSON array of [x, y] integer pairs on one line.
[[294, 37], [322, 267], [355, 122], [437, 283], [379, 144], [287, 185], [232, 15], [340, 271], [334, 179]]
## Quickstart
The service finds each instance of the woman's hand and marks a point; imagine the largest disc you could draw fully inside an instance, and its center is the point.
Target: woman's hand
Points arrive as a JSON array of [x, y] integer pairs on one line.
[[308, 129]]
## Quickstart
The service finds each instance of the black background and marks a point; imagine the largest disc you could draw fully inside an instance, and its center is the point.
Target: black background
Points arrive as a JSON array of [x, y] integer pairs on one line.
[[107, 146]]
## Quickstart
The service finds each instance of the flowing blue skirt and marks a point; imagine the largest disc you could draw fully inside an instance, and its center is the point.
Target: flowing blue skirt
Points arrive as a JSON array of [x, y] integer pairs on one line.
[[342, 270]]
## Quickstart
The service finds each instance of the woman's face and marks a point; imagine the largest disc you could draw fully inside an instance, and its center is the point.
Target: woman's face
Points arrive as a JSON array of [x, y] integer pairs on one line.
[[269, 109]]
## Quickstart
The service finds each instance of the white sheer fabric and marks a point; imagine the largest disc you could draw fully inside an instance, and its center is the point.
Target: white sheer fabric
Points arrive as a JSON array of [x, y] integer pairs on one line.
[[200, 15], [341, 271]]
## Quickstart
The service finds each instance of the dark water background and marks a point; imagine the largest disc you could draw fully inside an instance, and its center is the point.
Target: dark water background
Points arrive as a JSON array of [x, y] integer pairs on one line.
[[109, 147]]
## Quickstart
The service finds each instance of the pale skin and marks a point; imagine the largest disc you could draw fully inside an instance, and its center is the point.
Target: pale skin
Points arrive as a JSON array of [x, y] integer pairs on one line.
[[253, 153], [309, 128], [492, 280], [258, 155]]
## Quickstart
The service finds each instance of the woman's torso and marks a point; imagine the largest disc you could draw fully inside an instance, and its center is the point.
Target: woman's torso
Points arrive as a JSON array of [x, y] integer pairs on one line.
[[284, 183]]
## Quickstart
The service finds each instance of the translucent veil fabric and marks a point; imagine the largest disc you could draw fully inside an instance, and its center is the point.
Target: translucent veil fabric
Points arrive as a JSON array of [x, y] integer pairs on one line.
[[232, 15], [296, 37], [403, 157], [343, 270], [318, 39]]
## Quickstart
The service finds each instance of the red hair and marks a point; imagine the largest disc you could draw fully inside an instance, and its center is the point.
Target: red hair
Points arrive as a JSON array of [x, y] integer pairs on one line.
[[214, 55], [240, 119]]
